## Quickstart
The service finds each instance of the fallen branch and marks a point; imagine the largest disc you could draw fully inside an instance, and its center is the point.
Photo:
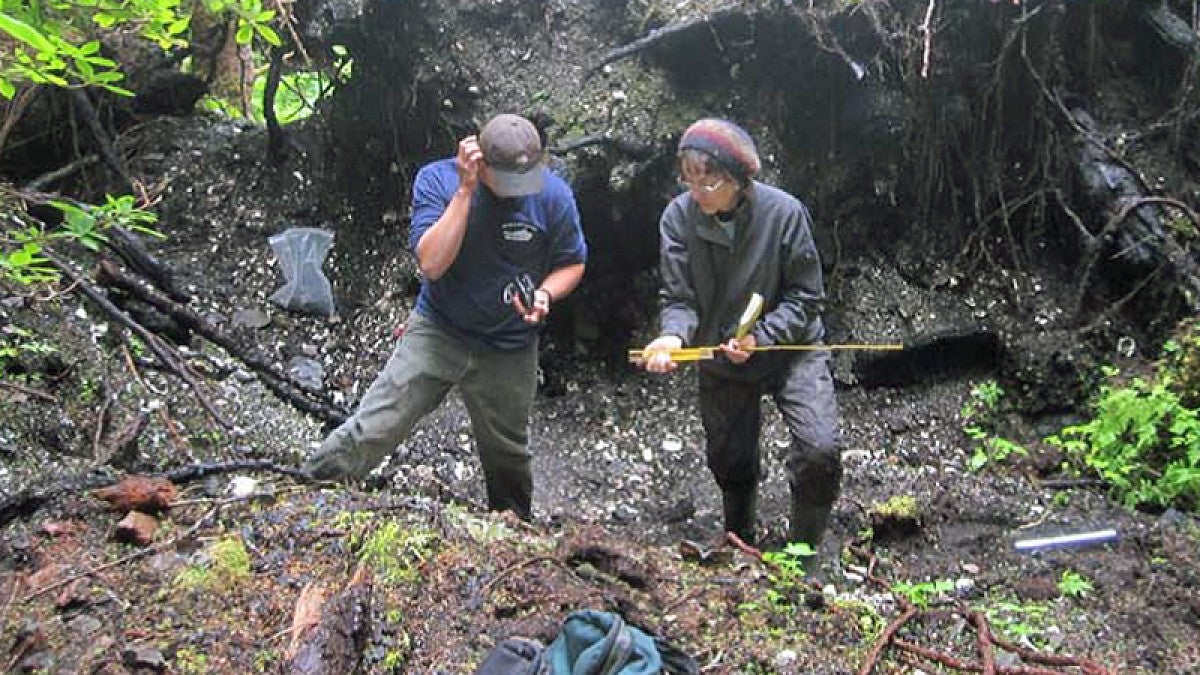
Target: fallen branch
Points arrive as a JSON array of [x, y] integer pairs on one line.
[[28, 501], [1086, 665], [19, 104], [634, 149], [985, 640], [43, 181], [306, 617], [1169, 248], [83, 105], [738, 543], [165, 354], [477, 601], [36, 393], [925, 30], [303, 399], [887, 637], [958, 664], [660, 35]]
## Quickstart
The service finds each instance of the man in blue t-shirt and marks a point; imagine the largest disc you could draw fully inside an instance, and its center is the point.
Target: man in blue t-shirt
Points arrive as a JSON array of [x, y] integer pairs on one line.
[[498, 241]]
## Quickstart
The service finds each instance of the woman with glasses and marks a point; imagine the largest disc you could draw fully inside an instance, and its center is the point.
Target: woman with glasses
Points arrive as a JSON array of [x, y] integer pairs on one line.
[[724, 239]]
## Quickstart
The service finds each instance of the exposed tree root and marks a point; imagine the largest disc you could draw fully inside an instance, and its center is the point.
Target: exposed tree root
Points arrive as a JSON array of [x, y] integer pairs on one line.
[[985, 641], [658, 36]]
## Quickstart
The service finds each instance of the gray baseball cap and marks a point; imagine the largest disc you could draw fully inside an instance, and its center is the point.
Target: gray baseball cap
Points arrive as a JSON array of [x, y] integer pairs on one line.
[[513, 149]]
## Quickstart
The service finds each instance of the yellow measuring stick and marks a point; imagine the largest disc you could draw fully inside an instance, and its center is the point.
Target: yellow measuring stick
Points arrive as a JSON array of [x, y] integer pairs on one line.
[[704, 353]]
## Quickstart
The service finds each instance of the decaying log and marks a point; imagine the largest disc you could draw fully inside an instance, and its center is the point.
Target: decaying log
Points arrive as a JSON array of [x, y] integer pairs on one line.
[[1137, 235], [335, 646], [139, 493], [305, 400], [306, 617]]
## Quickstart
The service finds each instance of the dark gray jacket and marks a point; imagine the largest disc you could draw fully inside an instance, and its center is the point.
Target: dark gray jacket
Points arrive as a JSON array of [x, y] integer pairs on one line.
[[708, 279]]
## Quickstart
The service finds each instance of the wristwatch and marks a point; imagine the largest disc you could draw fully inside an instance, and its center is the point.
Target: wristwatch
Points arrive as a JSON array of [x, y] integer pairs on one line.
[[548, 294]]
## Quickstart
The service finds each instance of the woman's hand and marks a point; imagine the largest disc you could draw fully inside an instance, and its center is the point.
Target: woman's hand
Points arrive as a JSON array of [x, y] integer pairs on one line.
[[739, 350], [657, 354]]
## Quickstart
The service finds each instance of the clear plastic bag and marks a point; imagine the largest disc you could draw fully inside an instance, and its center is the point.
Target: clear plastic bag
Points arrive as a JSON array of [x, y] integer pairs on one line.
[[301, 252]]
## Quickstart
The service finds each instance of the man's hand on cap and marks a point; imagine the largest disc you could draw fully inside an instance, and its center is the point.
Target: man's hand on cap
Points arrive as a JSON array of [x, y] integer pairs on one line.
[[469, 160]]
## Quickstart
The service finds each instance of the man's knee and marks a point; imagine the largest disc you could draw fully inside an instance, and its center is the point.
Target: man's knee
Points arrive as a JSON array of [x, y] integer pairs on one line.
[[815, 472], [337, 458]]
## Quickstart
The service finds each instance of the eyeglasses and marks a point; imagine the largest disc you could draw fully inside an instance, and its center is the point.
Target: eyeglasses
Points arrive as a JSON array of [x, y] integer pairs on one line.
[[706, 188]]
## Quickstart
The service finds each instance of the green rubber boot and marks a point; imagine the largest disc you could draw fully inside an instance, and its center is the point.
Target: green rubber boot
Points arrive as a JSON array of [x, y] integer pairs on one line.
[[741, 513]]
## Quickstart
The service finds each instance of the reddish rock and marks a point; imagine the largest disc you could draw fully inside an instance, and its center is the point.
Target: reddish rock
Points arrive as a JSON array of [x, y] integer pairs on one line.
[[136, 528]]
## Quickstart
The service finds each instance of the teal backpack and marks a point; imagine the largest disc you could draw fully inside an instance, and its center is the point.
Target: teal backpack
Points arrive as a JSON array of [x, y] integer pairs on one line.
[[589, 643]]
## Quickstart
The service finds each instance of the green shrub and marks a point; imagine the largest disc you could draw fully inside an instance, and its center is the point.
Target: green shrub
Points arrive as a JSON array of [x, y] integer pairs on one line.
[[1142, 441], [1179, 366]]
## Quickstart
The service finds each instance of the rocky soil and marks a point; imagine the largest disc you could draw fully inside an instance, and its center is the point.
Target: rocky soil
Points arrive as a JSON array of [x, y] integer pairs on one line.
[[620, 485], [626, 515]]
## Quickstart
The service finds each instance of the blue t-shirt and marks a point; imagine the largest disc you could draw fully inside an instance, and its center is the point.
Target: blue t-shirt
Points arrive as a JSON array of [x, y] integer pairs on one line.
[[506, 238]]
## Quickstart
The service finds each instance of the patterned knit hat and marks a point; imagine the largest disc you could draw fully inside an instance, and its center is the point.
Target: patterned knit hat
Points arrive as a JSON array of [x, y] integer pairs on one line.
[[727, 143]]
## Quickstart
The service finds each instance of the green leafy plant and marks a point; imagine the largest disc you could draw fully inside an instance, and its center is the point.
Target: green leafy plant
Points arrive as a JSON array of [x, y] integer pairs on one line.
[[1073, 584], [984, 401], [1016, 620], [1179, 365], [52, 47], [298, 95], [15, 341], [22, 257], [57, 42], [923, 593], [980, 416], [991, 449], [252, 19], [1142, 441], [786, 572]]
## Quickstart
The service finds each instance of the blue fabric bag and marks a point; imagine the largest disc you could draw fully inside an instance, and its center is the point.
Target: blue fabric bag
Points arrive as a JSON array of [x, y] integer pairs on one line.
[[601, 643], [589, 642]]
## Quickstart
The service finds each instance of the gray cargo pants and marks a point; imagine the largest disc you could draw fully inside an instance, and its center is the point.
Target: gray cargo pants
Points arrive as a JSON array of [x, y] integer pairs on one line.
[[731, 412], [497, 386]]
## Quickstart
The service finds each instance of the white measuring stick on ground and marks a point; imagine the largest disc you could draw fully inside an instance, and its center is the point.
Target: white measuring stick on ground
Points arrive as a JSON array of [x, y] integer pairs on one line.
[[1081, 539]]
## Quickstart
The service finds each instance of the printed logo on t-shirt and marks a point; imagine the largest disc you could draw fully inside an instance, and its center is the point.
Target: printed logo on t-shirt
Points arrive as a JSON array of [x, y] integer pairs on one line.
[[516, 231]]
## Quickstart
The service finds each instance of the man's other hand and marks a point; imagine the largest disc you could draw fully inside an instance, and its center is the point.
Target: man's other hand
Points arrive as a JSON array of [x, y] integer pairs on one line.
[[538, 311]]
